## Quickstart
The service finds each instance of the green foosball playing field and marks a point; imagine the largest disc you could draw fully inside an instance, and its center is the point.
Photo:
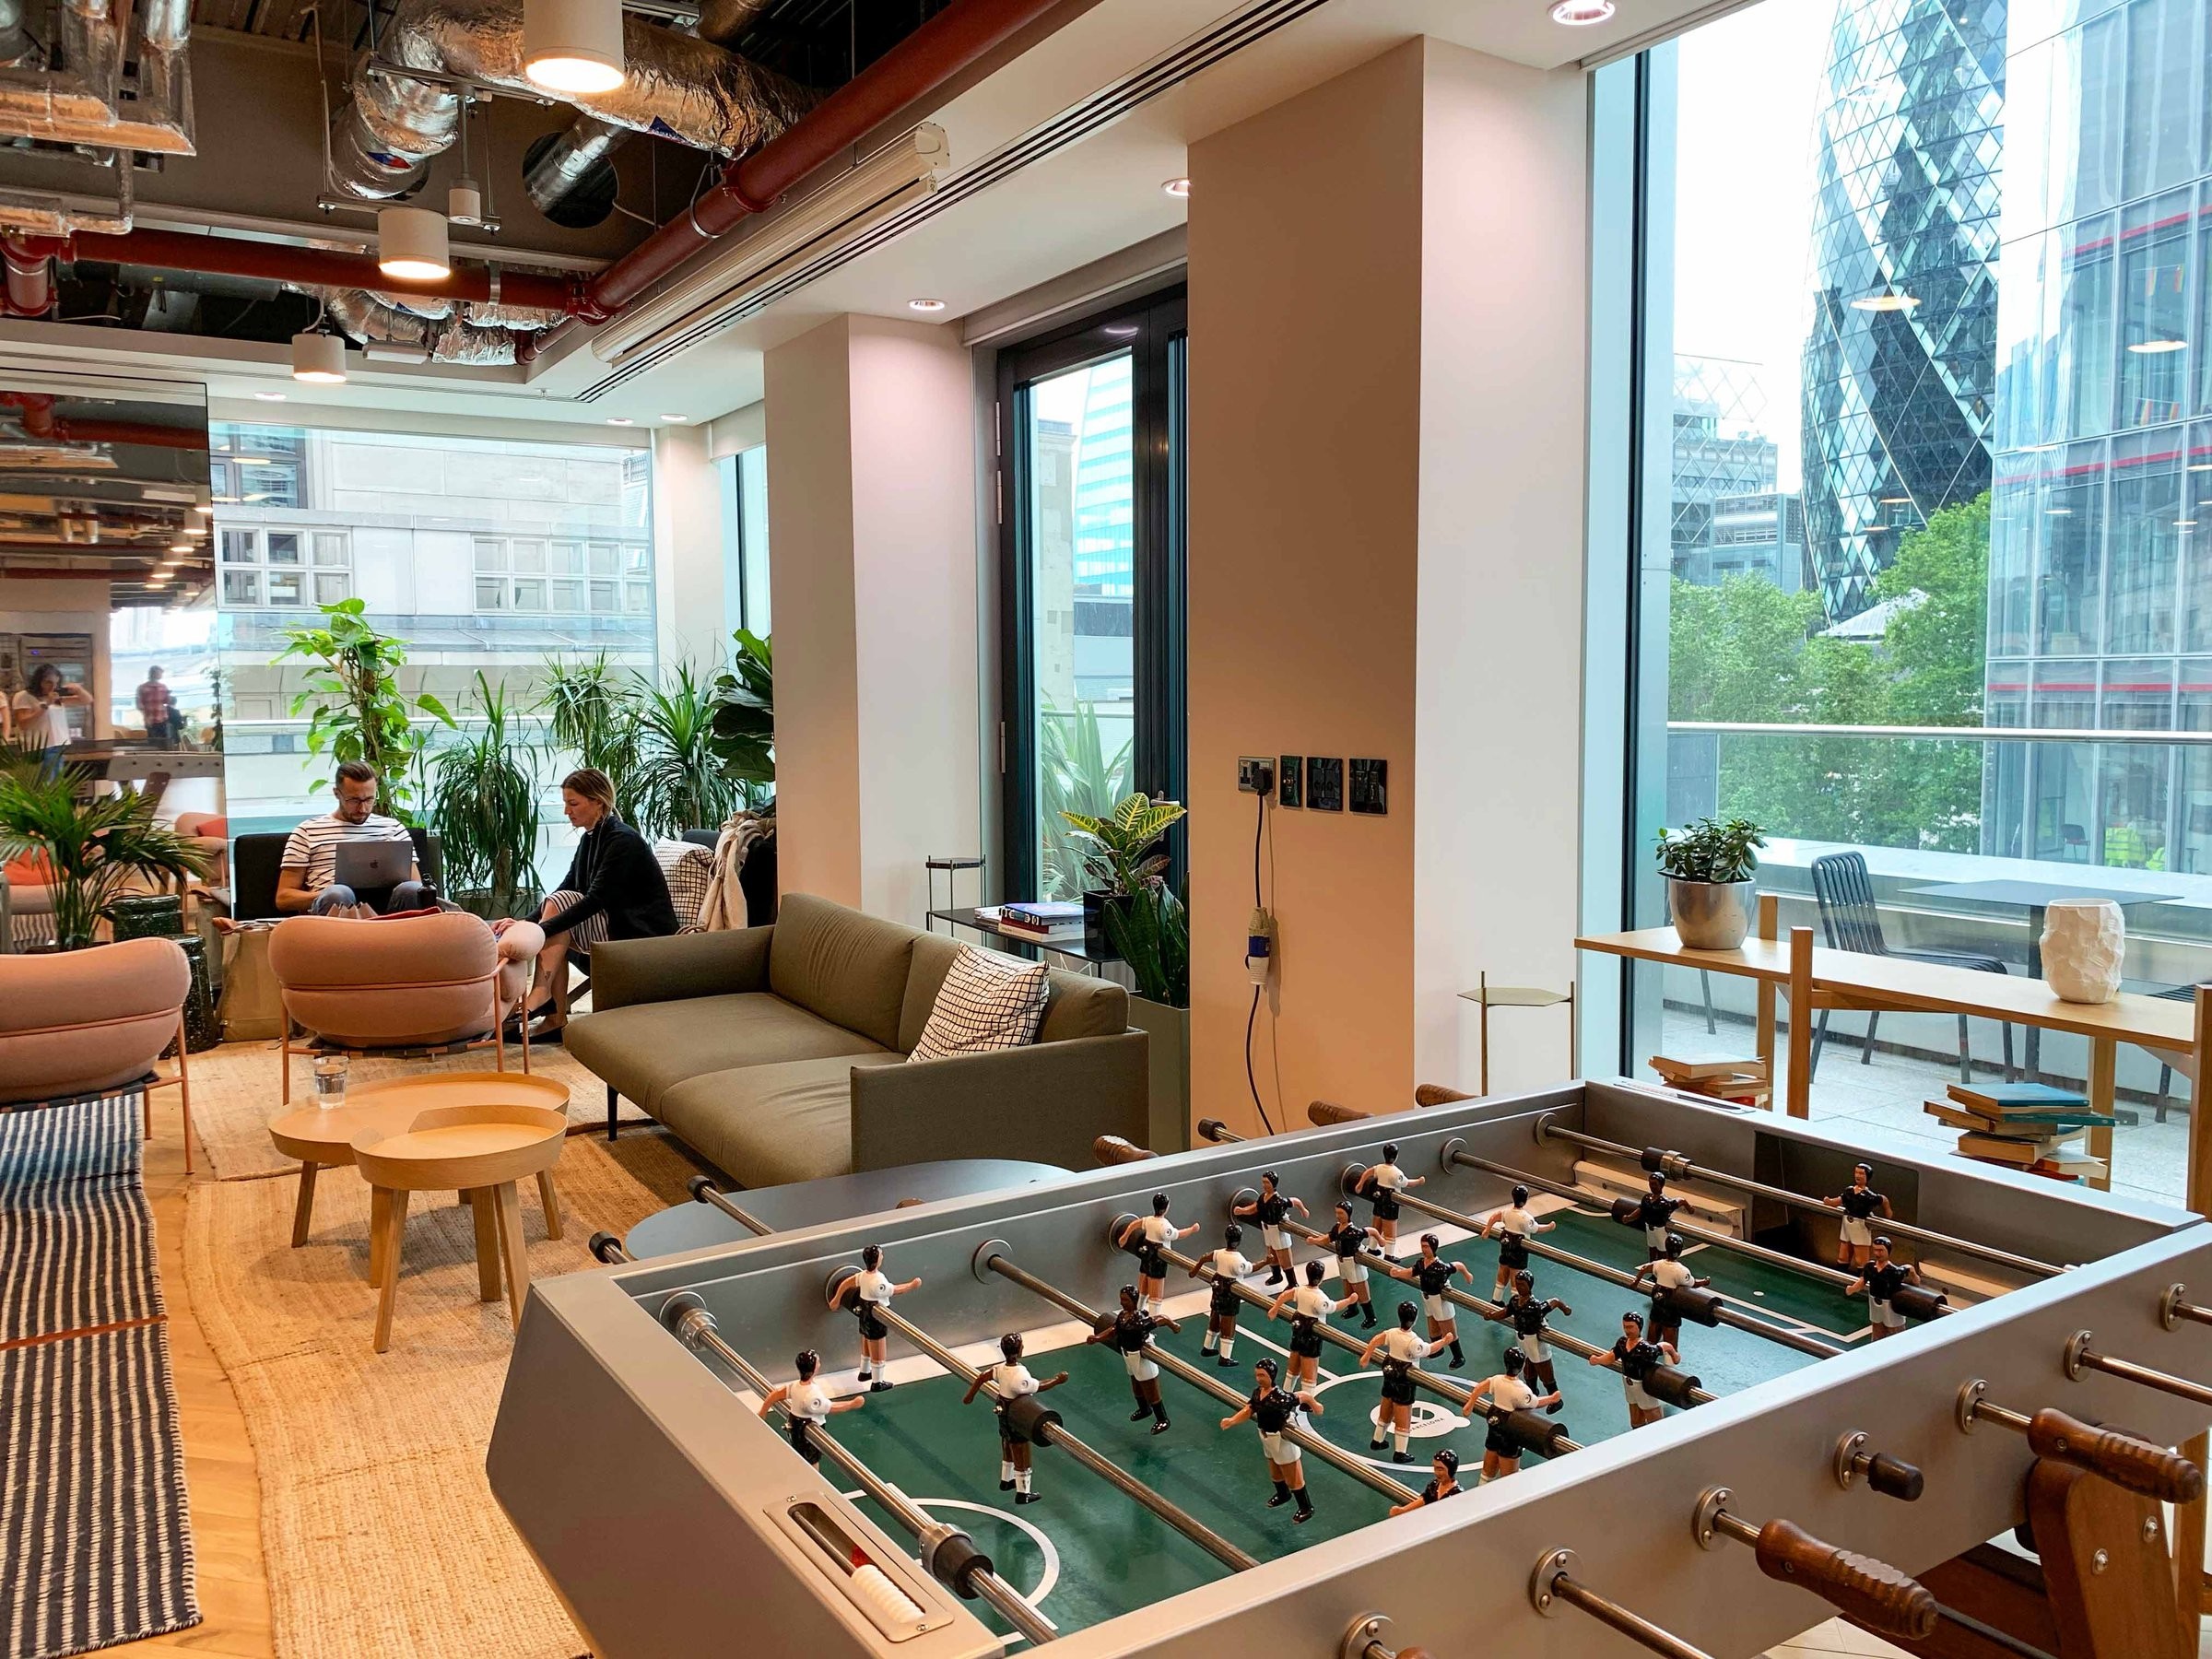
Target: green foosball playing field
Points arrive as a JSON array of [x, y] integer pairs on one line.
[[1085, 1553]]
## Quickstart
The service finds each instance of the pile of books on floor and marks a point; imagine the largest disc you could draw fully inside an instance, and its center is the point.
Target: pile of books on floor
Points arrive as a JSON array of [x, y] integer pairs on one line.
[[2030, 1126], [1045, 920], [1742, 1082]]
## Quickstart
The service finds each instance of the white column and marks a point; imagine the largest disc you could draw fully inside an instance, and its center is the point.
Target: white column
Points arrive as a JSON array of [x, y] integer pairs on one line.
[[687, 550]]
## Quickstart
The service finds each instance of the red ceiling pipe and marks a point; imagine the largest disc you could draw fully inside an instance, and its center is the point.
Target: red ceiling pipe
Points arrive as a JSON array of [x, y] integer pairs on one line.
[[324, 267], [943, 47], [29, 261]]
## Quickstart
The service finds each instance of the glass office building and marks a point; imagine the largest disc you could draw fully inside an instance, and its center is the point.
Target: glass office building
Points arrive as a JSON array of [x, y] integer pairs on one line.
[[1900, 356]]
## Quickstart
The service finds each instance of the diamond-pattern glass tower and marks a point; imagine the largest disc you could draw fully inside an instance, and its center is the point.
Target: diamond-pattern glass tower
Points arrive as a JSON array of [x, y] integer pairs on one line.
[[1901, 358]]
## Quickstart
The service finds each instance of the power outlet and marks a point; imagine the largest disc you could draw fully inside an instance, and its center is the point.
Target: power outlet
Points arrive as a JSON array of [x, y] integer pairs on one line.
[[1256, 774]]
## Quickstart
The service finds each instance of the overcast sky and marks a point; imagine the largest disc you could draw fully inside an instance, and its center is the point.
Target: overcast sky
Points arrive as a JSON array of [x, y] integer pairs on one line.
[[1751, 85]]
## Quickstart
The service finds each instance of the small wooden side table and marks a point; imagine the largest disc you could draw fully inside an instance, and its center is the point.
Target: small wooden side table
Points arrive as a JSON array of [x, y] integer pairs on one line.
[[480, 1151]]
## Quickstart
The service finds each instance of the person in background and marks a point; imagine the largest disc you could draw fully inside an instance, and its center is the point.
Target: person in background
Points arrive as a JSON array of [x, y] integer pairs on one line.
[[306, 883], [614, 890], [156, 710], [41, 723]]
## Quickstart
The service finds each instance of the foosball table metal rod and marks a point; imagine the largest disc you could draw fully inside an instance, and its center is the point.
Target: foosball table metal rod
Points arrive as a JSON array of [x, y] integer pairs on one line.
[[703, 1189], [989, 1257], [1553, 1584], [1364, 1640], [947, 1554], [2135, 1465], [2080, 1356], [607, 1248], [2174, 1307], [1049, 1431], [1217, 1132], [1676, 1166], [1870, 1592]]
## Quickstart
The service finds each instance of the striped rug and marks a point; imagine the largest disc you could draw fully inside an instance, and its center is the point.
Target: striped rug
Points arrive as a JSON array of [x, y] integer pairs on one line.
[[95, 1543]]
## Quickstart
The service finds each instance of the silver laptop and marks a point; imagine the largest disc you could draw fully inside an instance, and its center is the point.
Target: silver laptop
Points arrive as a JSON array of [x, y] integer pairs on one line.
[[368, 865]]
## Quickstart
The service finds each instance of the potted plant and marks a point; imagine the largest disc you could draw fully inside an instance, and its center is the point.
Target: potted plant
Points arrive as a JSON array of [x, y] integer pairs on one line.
[[1147, 926], [352, 697], [484, 808], [593, 713], [92, 853], [742, 733], [1710, 887]]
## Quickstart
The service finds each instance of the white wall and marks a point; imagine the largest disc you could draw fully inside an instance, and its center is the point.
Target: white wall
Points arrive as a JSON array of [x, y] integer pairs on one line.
[[687, 550]]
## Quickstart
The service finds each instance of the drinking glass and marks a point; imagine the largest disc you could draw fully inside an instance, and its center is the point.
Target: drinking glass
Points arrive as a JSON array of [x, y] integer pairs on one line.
[[330, 1081]]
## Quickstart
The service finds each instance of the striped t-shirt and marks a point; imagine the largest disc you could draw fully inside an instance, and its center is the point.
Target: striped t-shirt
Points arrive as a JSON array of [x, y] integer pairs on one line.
[[313, 847]]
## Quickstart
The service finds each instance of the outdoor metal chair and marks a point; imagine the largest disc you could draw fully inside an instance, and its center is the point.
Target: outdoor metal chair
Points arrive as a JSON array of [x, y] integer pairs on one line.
[[1851, 922], [2173, 993]]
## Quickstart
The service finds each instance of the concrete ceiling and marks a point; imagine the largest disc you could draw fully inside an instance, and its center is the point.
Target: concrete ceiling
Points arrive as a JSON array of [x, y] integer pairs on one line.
[[1075, 206]]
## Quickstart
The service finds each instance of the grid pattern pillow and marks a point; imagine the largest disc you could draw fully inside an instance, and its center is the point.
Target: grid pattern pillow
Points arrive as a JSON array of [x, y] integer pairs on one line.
[[690, 868], [986, 1002]]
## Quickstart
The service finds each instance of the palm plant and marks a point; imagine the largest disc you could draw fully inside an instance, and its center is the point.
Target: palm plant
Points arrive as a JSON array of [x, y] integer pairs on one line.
[[484, 807], [594, 715], [679, 782], [744, 726], [94, 852], [1143, 919], [1075, 774]]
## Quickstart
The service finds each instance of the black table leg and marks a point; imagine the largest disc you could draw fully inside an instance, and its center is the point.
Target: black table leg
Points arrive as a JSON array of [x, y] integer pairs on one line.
[[2035, 972]]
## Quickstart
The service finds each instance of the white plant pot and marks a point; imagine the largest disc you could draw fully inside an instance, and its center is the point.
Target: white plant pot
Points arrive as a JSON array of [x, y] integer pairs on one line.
[[2083, 945]]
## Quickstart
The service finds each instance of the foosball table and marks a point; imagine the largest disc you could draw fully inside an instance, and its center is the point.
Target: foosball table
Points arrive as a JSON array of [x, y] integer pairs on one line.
[[791, 1446]]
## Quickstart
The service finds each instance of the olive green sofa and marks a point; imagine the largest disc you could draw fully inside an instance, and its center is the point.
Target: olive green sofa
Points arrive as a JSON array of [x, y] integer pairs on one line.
[[780, 1052]]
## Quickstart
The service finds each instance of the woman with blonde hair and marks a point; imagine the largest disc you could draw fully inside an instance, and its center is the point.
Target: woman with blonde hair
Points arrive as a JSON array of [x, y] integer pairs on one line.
[[614, 890]]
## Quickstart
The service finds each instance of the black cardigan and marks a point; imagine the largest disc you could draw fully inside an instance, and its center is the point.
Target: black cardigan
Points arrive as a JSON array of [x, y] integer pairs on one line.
[[617, 875]]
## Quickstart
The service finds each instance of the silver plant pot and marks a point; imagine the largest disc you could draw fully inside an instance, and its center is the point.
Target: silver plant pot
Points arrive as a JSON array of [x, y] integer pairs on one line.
[[1712, 915]]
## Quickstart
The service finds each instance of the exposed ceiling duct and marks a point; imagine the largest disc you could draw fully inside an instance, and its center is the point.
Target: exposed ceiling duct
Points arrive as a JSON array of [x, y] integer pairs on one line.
[[678, 87], [75, 93], [374, 322]]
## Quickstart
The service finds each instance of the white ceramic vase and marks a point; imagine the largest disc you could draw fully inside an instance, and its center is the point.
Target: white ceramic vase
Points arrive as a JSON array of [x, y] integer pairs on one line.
[[2083, 940]]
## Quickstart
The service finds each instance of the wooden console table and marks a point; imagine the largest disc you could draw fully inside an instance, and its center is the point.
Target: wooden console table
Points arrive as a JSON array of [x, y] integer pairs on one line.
[[1814, 978]]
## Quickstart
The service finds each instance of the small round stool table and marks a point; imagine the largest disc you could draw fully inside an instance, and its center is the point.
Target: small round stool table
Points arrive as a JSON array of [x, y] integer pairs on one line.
[[479, 1151]]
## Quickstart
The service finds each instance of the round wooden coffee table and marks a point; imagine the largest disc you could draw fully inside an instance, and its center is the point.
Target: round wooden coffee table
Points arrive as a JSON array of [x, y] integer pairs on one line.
[[479, 1150], [323, 1138]]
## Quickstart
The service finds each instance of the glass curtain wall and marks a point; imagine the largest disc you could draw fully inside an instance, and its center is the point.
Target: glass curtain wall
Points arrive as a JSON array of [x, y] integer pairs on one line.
[[745, 538], [1923, 290]]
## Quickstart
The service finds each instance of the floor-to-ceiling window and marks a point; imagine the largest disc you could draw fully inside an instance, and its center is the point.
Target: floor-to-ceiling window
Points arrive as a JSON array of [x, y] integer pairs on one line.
[[1090, 515], [1920, 307], [745, 538]]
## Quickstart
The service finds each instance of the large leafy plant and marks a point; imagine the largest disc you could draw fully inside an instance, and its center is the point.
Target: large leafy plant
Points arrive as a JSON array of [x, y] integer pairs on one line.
[[93, 854], [1075, 774], [356, 709], [1143, 919], [593, 713], [483, 804], [1712, 851], [742, 728], [679, 784]]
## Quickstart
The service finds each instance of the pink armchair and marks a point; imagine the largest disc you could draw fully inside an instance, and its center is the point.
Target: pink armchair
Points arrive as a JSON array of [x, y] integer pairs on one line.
[[407, 984], [77, 1024]]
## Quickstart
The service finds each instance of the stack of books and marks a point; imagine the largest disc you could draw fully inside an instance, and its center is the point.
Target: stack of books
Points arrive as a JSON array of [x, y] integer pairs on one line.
[[1741, 1082], [2025, 1126], [1044, 920]]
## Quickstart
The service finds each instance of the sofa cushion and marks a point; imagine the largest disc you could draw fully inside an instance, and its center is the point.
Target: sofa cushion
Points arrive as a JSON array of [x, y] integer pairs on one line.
[[687, 868], [766, 1125], [645, 1048], [846, 967], [1076, 1005], [987, 1002]]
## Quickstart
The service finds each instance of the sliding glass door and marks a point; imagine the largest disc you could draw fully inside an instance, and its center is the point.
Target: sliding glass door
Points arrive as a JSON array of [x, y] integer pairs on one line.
[[1091, 512]]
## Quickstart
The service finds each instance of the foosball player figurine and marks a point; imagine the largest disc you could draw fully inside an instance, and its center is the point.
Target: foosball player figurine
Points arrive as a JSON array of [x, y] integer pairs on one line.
[[1508, 1393], [1655, 1212], [1271, 1208], [863, 1292], [807, 1403], [1443, 1482], [1881, 1279], [1011, 1381], [1349, 1240], [1860, 1203], [1513, 1227], [1227, 1264], [1129, 1331], [1669, 1273], [1275, 1409], [1634, 1356], [1382, 1183], [1309, 1308], [1400, 1351], [1153, 1233], [1433, 1275], [1524, 1311]]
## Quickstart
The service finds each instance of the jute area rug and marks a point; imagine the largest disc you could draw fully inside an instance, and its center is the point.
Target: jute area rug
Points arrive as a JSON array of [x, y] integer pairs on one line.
[[380, 1532], [237, 1089]]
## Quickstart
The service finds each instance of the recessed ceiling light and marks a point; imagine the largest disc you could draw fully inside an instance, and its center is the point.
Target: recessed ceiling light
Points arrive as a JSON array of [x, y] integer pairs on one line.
[[183, 547], [1579, 14], [1120, 331], [2151, 348], [411, 244], [1182, 187], [1895, 500], [2185, 523], [679, 419], [620, 420], [1885, 299], [925, 305], [256, 460], [2058, 512], [2200, 467], [574, 45], [270, 397]]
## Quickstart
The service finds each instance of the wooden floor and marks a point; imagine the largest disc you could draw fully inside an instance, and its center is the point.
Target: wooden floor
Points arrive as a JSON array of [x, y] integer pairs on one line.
[[218, 1460]]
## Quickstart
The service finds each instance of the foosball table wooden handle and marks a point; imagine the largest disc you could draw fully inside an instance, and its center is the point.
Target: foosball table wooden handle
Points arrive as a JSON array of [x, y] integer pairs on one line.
[[1872, 1592], [1436, 1094], [1325, 1112], [1113, 1149], [2126, 1462]]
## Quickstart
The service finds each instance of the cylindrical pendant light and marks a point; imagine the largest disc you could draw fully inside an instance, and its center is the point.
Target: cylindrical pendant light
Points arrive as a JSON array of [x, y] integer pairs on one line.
[[410, 243], [464, 202], [319, 359], [574, 45]]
